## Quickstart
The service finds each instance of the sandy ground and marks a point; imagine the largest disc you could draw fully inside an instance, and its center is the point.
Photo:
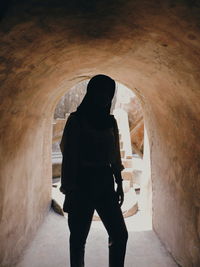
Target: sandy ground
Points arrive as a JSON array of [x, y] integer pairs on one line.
[[50, 246]]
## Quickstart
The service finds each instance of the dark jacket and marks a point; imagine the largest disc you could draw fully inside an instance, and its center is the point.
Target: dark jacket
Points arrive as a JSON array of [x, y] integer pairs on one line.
[[70, 145]]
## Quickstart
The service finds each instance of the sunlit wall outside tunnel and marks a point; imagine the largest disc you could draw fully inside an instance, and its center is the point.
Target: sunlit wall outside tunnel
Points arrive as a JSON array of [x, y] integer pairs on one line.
[[124, 99], [152, 47]]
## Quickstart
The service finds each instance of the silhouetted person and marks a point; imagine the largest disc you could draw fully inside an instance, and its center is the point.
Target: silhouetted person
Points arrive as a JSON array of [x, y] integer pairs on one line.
[[90, 167]]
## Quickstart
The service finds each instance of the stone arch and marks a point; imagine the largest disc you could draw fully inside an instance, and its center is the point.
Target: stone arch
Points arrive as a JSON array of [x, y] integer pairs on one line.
[[125, 106]]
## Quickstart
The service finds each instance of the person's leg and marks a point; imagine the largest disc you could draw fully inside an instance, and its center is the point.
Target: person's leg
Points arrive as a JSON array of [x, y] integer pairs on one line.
[[111, 215], [79, 220]]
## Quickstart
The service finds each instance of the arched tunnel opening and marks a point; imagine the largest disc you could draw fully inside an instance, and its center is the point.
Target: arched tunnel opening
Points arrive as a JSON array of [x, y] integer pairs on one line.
[[150, 47], [128, 112]]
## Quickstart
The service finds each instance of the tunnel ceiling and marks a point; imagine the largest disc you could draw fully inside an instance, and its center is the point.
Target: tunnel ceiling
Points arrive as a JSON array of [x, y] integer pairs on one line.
[[147, 39]]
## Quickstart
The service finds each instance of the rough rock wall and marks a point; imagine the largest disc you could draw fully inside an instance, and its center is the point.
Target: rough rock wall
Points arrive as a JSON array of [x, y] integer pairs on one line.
[[136, 123], [69, 102], [137, 138], [150, 46], [127, 100], [25, 180]]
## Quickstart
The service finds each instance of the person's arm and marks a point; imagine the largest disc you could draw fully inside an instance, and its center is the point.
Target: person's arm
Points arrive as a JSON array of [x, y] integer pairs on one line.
[[69, 147], [117, 165]]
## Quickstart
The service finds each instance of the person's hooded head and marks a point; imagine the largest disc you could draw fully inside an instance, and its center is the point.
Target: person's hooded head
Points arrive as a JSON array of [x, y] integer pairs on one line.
[[97, 101]]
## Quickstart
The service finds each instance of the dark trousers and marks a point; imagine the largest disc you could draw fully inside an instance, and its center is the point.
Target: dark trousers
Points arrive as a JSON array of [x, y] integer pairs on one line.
[[96, 192]]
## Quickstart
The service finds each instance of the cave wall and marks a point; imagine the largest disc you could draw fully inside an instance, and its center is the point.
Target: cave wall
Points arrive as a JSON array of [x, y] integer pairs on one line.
[[151, 47]]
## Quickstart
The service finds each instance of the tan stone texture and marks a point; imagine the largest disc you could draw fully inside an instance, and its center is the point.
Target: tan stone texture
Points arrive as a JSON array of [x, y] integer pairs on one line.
[[135, 116], [137, 137], [151, 47]]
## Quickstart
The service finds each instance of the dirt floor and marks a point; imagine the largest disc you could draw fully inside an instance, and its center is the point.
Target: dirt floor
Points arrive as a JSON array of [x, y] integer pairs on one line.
[[50, 247]]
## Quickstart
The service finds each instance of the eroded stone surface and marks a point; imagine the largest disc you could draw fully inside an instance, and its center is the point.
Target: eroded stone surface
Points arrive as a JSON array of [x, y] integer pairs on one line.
[[137, 137]]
